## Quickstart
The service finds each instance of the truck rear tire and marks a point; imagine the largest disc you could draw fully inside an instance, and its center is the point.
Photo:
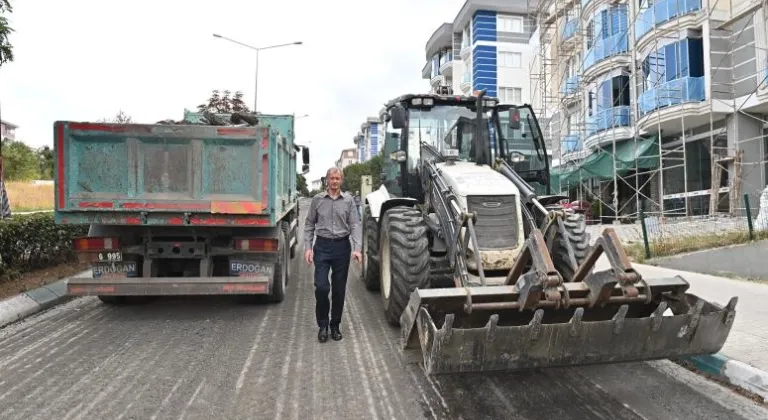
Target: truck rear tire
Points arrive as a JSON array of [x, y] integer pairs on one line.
[[404, 259], [286, 226], [280, 280], [576, 234], [370, 268]]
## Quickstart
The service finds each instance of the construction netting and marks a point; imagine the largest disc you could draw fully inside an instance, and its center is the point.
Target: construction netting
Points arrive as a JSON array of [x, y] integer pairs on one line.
[[630, 156]]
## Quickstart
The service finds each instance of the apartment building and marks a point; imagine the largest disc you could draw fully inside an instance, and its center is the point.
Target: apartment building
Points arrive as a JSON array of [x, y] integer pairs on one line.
[[487, 46], [348, 157], [656, 103], [367, 139], [7, 131]]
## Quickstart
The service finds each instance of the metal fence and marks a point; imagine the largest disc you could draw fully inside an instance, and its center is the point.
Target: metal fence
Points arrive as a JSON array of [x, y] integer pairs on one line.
[[653, 236]]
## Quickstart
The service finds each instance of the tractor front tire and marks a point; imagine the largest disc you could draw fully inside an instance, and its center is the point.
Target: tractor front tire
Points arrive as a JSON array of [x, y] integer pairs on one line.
[[578, 237], [404, 259], [370, 269]]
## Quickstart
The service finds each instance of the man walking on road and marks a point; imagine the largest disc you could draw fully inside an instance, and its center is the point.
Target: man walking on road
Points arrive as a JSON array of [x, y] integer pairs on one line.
[[331, 221]]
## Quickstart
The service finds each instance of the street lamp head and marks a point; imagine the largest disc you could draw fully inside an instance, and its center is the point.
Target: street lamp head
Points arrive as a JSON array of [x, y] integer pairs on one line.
[[298, 43], [217, 35]]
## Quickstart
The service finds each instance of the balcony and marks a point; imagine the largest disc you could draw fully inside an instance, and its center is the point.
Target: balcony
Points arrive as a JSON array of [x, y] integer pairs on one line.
[[675, 92], [446, 65], [570, 144], [606, 48], [570, 86], [466, 51], [570, 28], [661, 12], [610, 118], [466, 82]]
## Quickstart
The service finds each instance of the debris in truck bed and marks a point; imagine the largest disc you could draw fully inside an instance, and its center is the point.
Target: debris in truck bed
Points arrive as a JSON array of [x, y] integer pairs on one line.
[[238, 119]]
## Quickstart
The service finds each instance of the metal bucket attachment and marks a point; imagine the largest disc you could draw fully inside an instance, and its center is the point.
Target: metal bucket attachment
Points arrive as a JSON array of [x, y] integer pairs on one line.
[[493, 328]]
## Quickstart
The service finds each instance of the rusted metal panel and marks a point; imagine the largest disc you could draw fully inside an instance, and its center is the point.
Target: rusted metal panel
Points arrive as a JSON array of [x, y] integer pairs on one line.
[[138, 286], [121, 174]]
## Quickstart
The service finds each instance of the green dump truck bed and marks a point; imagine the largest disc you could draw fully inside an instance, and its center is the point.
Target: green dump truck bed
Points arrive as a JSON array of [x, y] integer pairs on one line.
[[141, 174]]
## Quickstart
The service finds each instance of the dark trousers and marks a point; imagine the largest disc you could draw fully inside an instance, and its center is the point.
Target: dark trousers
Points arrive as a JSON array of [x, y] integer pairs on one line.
[[331, 256]]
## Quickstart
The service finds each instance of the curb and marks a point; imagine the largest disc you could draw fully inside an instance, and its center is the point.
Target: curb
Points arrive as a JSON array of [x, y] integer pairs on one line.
[[25, 304], [733, 372]]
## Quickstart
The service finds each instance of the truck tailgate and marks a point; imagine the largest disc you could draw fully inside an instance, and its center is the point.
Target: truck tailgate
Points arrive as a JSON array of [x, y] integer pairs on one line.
[[162, 168]]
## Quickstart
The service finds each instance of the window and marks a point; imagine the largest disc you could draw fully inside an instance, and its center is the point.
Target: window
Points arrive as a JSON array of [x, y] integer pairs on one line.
[[511, 59], [510, 24], [511, 95]]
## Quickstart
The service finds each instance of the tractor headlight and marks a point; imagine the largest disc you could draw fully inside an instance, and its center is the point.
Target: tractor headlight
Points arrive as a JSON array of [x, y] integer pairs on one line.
[[416, 101], [429, 101]]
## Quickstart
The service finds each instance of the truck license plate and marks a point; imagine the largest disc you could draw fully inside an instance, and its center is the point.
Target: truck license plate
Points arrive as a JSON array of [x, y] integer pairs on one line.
[[251, 268], [110, 256], [115, 269]]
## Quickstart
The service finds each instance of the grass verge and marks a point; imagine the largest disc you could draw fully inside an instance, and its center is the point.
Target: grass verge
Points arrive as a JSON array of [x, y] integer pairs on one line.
[[678, 245], [26, 196]]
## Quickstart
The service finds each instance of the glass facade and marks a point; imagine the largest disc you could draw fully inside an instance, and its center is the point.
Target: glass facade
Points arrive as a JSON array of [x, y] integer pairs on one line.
[[673, 74]]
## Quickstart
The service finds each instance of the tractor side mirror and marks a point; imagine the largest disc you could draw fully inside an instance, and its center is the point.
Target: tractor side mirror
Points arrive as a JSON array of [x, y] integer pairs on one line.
[[305, 155], [514, 119], [383, 176], [304, 169], [399, 156], [397, 116]]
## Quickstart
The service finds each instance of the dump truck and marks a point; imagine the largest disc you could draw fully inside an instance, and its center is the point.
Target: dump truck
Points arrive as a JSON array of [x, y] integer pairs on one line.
[[482, 268], [190, 208]]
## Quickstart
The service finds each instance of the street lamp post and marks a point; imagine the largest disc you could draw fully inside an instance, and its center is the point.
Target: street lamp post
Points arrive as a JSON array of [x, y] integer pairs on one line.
[[257, 49]]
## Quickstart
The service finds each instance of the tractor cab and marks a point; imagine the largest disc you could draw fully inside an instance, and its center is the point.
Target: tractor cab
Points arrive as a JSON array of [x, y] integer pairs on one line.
[[439, 127]]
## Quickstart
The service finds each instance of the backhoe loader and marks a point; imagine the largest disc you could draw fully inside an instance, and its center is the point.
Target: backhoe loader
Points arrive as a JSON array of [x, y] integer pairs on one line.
[[483, 270]]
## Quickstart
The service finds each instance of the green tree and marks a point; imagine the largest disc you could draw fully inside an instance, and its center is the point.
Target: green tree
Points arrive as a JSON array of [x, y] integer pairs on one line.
[[6, 49], [301, 185], [20, 162], [45, 162], [224, 104], [119, 118], [354, 172]]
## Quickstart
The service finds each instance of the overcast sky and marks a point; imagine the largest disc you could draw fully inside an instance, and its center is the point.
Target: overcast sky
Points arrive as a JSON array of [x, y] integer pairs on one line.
[[86, 59]]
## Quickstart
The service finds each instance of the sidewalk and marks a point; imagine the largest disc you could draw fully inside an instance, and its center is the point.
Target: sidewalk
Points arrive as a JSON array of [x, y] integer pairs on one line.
[[748, 340]]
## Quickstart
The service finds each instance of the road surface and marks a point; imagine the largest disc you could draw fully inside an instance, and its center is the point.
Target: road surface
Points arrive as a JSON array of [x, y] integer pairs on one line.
[[745, 261], [215, 358]]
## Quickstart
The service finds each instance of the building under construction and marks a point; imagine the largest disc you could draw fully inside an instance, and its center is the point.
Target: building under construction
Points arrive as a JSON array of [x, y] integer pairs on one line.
[[655, 103]]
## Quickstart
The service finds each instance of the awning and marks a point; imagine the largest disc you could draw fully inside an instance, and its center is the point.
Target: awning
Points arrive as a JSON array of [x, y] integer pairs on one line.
[[642, 154]]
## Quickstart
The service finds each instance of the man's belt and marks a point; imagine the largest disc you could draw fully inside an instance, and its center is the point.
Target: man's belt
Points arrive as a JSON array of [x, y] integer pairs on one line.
[[343, 238]]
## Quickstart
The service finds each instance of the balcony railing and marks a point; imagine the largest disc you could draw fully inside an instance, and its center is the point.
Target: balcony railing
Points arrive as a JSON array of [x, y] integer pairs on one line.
[[570, 28], [675, 92], [571, 143], [606, 48], [448, 57], [570, 86], [606, 119], [663, 11]]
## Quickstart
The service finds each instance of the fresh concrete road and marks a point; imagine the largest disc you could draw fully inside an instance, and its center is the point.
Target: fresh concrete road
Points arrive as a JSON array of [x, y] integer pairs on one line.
[[214, 358], [745, 261]]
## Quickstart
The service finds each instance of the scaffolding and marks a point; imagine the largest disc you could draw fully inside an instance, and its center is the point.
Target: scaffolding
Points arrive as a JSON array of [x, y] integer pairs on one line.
[[559, 81]]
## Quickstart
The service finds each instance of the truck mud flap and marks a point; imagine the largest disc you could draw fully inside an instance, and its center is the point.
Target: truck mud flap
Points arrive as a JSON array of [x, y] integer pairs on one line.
[[160, 286], [484, 328]]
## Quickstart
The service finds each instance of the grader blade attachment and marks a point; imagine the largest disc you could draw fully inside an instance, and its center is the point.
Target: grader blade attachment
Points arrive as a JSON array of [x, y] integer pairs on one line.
[[538, 321]]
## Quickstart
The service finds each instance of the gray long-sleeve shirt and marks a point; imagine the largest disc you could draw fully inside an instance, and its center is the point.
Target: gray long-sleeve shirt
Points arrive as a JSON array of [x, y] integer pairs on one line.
[[332, 218]]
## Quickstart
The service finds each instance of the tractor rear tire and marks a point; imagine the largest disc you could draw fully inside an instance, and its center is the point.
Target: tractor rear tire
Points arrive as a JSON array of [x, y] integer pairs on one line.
[[404, 259], [578, 237], [370, 269]]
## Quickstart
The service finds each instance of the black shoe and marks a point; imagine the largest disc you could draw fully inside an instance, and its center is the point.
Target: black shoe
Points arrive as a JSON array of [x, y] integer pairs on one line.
[[322, 335], [335, 333]]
